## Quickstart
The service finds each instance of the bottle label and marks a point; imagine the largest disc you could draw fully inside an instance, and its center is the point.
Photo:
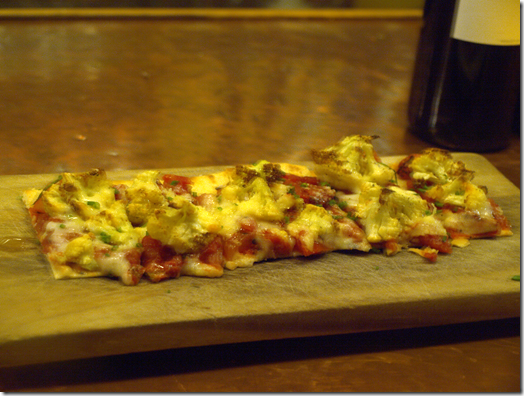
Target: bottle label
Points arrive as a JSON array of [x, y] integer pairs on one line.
[[493, 22]]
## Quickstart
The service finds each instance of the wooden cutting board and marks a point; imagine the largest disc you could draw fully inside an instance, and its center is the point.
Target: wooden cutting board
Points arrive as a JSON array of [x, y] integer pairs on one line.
[[45, 320]]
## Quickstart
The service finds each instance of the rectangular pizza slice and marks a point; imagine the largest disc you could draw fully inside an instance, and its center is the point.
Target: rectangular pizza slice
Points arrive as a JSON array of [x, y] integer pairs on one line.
[[162, 226]]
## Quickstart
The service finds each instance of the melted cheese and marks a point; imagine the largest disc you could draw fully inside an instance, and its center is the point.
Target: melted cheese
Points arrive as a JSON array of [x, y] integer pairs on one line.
[[208, 184]]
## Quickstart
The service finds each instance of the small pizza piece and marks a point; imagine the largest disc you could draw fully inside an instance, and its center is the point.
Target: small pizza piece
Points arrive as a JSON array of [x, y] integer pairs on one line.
[[394, 218], [463, 207], [163, 226], [84, 230]]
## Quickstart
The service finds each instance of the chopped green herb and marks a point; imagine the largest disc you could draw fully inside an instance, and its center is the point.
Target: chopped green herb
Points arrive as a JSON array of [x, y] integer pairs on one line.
[[332, 202], [49, 186], [325, 184], [438, 204], [304, 185], [105, 237], [62, 225], [342, 204], [93, 204], [460, 192], [174, 182], [138, 245], [515, 278], [352, 216]]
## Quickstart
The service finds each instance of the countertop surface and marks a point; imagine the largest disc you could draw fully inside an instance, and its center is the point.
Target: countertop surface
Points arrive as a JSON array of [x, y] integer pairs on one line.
[[128, 93]]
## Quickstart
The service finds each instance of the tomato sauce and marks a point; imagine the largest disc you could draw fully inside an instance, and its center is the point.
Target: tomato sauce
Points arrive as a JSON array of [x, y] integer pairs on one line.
[[159, 261], [179, 184], [281, 247], [442, 244], [213, 253], [309, 189]]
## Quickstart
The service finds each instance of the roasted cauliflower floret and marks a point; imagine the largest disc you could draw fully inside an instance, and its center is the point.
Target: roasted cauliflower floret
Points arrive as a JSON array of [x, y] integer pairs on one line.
[[185, 229], [252, 199], [144, 197], [83, 194], [350, 163], [313, 222], [259, 202], [316, 224], [433, 166], [444, 180], [80, 250], [386, 212], [461, 193]]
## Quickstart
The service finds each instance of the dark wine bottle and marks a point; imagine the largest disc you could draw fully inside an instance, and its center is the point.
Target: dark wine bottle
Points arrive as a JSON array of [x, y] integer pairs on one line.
[[466, 81]]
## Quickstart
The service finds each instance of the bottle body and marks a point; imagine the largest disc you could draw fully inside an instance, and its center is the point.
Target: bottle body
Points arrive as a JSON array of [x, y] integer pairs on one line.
[[464, 93]]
